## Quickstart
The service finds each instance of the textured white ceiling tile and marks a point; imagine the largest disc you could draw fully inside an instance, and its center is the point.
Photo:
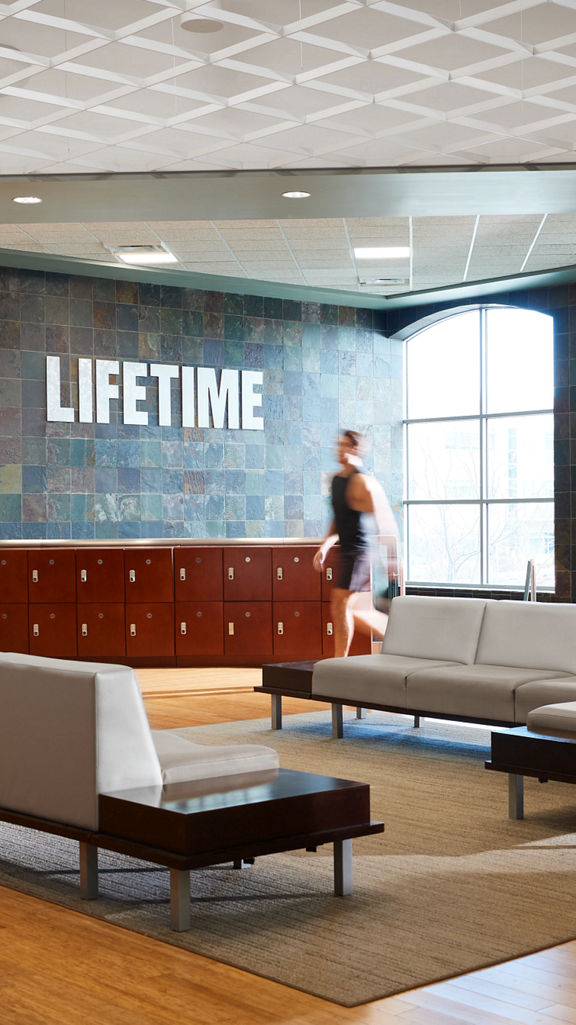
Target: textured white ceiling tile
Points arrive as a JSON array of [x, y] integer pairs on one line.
[[204, 44], [373, 77], [506, 150], [111, 16], [447, 97], [536, 72], [453, 51], [329, 227], [288, 57], [368, 29], [536, 24]]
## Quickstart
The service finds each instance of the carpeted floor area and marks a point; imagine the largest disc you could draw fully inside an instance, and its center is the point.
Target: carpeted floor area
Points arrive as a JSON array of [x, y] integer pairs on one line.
[[451, 886]]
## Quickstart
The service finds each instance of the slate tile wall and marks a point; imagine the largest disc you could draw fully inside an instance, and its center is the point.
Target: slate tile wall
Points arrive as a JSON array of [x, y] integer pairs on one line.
[[325, 368]]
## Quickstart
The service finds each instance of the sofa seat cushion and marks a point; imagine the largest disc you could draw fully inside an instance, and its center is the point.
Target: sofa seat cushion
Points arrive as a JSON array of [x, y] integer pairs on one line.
[[444, 629], [559, 718], [183, 761], [368, 679], [543, 692], [533, 635], [484, 692]]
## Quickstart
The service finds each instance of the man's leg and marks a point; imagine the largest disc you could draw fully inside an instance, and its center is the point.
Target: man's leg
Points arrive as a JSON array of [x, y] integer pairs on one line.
[[343, 621], [367, 619]]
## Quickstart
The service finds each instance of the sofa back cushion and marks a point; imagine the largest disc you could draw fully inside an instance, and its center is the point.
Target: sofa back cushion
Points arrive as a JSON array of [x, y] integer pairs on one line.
[[532, 635], [434, 628], [69, 731]]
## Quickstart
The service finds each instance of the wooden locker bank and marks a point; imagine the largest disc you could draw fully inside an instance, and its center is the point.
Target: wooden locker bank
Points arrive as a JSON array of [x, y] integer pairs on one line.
[[156, 603]]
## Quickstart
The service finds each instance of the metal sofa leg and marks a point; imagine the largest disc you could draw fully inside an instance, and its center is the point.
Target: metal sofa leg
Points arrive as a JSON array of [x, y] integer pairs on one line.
[[361, 713], [337, 722], [88, 870], [276, 711], [515, 796], [179, 899], [342, 867]]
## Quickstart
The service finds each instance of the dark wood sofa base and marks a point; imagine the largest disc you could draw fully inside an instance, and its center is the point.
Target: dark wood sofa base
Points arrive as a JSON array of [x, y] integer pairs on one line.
[[520, 752], [294, 811]]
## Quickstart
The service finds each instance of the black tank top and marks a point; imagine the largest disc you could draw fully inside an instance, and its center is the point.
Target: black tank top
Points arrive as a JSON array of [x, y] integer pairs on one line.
[[349, 522]]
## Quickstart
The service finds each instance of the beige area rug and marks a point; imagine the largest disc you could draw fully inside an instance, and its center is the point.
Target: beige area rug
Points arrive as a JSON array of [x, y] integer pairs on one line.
[[451, 886]]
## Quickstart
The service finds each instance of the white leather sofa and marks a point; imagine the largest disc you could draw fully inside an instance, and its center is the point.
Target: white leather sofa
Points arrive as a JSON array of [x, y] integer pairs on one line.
[[459, 658], [70, 731], [78, 759]]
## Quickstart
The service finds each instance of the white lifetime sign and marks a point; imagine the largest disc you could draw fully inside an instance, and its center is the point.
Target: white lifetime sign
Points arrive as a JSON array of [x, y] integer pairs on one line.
[[205, 400]]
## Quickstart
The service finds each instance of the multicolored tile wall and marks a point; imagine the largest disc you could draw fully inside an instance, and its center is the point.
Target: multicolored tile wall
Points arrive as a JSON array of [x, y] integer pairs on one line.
[[560, 303], [325, 368]]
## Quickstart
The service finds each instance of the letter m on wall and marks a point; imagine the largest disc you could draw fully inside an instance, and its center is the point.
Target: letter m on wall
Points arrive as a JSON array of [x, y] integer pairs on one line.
[[218, 398]]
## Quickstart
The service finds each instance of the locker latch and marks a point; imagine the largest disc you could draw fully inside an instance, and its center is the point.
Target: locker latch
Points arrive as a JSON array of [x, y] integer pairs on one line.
[[35, 576], [83, 576], [230, 629], [84, 629], [329, 629], [182, 573], [280, 627], [183, 629], [132, 629], [36, 630], [279, 573], [329, 573], [230, 572], [132, 576]]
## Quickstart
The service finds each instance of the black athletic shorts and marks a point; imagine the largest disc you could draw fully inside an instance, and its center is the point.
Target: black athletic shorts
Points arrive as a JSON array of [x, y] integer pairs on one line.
[[354, 570]]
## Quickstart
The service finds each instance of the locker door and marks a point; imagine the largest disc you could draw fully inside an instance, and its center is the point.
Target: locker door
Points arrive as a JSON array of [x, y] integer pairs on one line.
[[13, 575], [149, 630], [100, 574], [329, 573], [198, 574], [52, 575], [101, 631], [247, 574], [148, 575], [361, 643], [248, 630], [14, 628], [52, 630], [297, 630], [199, 628], [294, 577]]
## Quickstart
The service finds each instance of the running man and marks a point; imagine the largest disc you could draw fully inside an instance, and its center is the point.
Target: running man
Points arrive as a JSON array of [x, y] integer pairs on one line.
[[354, 494]]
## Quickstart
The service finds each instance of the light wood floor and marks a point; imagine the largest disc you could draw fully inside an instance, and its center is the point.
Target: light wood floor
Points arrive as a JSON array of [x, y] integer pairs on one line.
[[58, 967]]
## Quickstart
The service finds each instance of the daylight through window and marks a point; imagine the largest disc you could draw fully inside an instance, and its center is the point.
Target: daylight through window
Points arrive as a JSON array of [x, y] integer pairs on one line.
[[479, 449]]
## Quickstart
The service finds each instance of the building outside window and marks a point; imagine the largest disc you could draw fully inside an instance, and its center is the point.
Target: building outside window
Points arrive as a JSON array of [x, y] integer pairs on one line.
[[479, 431]]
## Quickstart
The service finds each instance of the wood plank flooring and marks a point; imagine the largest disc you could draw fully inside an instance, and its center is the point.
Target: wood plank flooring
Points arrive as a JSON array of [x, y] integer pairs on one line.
[[58, 967]]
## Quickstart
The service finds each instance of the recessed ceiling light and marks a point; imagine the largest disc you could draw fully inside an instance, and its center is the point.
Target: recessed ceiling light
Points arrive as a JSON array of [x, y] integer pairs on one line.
[[295, 195], [382, 252], [27, 199], [206, 25], [143, 255]]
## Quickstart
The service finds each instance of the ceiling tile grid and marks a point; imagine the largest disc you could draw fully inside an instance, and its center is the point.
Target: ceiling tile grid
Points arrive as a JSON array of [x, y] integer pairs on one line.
[[283, 83]]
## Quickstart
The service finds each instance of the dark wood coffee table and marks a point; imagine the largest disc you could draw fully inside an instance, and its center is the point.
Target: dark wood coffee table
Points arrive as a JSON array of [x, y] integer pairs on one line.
[[185, 828], [521, 752]]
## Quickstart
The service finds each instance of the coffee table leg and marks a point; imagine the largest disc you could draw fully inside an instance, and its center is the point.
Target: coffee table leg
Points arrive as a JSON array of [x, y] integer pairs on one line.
[[337, 722], [342, 867], [179, 899], [515, 796], [276, 711], [88, 871]]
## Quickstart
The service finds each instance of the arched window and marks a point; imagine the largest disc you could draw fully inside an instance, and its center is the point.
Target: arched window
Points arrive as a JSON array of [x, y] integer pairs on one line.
[[479, 429]]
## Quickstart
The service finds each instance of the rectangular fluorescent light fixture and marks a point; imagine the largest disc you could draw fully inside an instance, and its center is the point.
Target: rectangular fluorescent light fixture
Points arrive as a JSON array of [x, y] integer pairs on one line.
[[142, 256], [382, 253]]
